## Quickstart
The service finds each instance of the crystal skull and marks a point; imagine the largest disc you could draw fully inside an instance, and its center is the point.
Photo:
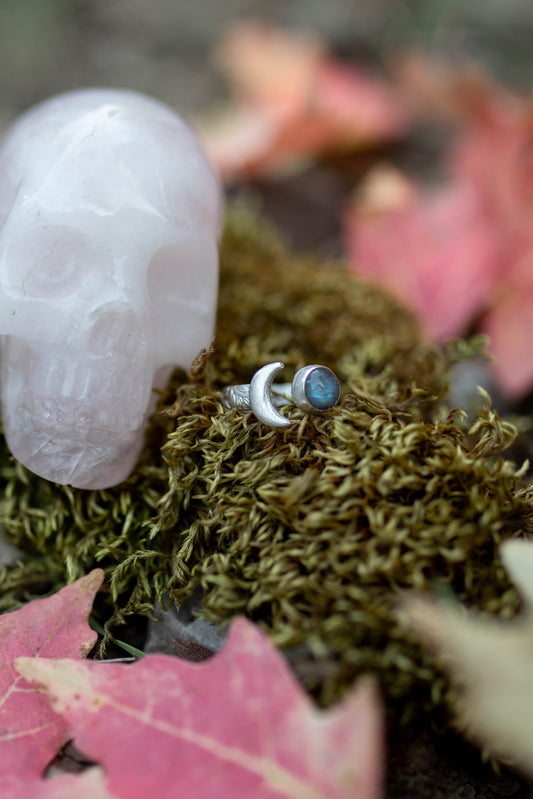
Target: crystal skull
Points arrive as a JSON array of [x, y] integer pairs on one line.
[[109, 218]]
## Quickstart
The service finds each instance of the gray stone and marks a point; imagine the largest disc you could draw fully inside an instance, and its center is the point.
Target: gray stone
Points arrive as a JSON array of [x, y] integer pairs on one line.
[[181, 632], [8, 553], [463, 392]]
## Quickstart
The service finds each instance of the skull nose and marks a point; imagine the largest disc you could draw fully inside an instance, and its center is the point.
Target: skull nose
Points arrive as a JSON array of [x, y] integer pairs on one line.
[[115, 332]]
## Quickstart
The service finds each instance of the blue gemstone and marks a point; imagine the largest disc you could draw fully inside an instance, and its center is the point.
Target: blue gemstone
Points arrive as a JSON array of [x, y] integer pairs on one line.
[[322, 388]]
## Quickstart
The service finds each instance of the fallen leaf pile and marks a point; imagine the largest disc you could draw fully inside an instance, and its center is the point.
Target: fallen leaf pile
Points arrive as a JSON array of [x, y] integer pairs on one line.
[[238, 725]]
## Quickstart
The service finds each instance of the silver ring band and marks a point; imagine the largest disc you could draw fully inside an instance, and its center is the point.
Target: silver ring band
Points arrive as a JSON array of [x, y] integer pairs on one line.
[[315, 388]]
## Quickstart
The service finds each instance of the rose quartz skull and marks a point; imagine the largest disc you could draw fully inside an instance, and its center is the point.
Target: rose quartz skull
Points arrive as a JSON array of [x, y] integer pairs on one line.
[[109, 216]]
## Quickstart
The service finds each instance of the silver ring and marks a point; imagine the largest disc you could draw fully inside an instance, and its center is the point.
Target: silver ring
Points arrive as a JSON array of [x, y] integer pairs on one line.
[[315, 388]]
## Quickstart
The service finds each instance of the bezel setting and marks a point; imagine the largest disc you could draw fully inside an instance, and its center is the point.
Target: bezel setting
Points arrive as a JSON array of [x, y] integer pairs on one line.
[[309, 397]]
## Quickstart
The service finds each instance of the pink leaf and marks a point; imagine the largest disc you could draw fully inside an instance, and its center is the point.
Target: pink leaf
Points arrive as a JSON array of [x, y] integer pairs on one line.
[[269, 66], [464, 251], [439, 89], [434, 250], [30, 733], [88, 785], [496, 156], [238, 725], [509, 326], [293, 100]]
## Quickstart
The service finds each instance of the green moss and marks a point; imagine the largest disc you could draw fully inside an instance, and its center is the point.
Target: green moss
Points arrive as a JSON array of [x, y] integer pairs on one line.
[[312, 530]]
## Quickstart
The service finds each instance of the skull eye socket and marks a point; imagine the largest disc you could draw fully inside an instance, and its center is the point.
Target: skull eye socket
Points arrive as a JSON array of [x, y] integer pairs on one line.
[[116, 332], [164, 276], [51, 263]]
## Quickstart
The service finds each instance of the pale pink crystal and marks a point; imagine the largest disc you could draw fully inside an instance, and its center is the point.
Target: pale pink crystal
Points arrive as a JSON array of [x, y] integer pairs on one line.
[[109, 216]]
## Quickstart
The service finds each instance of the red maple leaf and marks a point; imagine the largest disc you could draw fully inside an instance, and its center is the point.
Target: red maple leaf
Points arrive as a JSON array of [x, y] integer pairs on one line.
[[238, 725], [495, 155], [463, 253], [434, 250], [292, 101], [30, 732]]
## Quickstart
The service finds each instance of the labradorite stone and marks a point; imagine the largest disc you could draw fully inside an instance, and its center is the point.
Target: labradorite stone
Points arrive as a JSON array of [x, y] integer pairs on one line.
[[322, 388]]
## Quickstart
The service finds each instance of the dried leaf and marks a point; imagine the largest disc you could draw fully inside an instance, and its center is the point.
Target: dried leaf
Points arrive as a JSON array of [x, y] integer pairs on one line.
[[434, 250], [509, 327], [444, 91], [30, 733], [89, 785], [269, 66], [292, 101], [501, 132], [462, 254], [237, 726], [490, 660]]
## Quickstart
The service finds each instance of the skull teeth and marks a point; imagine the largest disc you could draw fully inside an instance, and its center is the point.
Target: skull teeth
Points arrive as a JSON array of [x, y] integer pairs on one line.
[[59, 378], [73, 401], [46, 413]]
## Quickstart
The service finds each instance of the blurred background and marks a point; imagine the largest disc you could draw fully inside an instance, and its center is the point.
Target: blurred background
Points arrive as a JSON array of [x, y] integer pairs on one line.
[[163, 47], [168, 49]]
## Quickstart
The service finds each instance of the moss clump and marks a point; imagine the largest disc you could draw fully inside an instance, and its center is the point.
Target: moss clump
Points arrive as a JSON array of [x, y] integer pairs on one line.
[[312, 531]]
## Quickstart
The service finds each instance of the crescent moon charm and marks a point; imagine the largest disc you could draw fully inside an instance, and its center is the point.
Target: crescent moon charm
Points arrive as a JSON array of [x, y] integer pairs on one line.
[[314, 389], [261, 399]]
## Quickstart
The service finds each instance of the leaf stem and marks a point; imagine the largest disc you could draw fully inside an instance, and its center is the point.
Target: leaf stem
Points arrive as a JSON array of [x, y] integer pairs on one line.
[[131, 650]]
